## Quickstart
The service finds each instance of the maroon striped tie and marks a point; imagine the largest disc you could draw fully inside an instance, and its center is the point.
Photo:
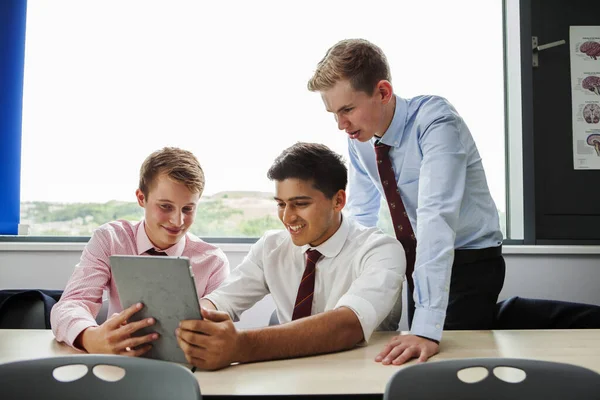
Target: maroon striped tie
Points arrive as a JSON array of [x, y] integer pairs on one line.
[[402, 227], [303, 305], [153, 252]]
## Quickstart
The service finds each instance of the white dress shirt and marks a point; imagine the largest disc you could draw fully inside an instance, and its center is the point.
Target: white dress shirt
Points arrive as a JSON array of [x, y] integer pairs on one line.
[[361, 268]]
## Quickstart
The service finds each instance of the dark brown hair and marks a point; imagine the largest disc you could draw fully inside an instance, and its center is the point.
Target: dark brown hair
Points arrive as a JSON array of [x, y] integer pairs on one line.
[[311, 162]]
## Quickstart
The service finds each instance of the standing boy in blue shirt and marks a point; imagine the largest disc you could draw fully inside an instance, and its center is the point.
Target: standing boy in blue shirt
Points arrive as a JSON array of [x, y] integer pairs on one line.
[[419, 154]]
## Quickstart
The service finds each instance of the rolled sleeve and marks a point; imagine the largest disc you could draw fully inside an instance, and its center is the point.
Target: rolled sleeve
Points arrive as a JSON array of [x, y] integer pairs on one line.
[[364, 310], [376, 290]]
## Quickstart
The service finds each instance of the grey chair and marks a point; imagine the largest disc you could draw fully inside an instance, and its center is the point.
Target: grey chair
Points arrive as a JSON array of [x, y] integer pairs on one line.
[[543, 380], [103, 313], [27, 308], [524, 313], [273, 320], [144, 379]]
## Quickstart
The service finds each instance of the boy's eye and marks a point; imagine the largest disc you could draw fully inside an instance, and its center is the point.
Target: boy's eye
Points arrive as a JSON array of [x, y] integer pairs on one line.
[[187, 210], [165, 206], [301, 204], [280, 205]]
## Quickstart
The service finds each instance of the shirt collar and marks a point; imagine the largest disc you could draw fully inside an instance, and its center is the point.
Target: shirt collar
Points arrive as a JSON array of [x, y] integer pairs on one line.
[[144, 244], [393, 134], [332, 246]]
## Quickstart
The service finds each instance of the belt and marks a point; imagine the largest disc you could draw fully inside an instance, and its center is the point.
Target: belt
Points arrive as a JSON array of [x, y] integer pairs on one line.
[[463, 256]]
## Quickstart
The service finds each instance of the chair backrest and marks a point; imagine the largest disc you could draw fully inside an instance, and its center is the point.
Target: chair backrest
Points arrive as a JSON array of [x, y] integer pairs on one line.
[[274, 320], [103, 313], [542, 380], [27, 309], [144, 379], [525, 313]]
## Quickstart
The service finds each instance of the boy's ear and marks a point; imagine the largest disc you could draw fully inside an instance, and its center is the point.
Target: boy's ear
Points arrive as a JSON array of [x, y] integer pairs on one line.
[[340, 200], [141, 198], [385, 91]]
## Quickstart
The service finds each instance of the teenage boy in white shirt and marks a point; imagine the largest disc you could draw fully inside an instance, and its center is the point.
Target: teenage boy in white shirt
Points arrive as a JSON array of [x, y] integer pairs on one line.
[[330, 300]]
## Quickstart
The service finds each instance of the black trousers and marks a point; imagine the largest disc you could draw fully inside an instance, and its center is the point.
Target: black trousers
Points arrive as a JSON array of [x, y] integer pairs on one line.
[[476, 281]]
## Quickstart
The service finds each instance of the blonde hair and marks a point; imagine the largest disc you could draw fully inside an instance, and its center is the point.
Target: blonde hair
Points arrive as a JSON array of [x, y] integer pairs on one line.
[[179, 165], [356, 60]]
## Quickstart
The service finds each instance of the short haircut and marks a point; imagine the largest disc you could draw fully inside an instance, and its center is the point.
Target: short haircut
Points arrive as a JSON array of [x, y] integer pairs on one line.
[[311, 162], [179, 165], [356, 60]]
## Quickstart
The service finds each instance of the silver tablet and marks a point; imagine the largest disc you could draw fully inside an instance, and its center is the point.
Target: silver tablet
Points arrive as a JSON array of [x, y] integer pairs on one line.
[[166, 287]]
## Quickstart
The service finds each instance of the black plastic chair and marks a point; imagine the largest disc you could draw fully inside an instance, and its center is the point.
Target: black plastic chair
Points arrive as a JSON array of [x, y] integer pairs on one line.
[[274, 320], [525, 313], [27, 309], [144, 379], [103, 313], [543, 380]]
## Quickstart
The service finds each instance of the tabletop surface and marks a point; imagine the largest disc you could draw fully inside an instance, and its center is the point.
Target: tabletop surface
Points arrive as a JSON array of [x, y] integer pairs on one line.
[[348, 372]]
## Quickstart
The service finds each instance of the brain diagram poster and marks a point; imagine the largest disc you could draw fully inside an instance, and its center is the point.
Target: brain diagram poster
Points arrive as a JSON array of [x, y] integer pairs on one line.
[[585, 91]]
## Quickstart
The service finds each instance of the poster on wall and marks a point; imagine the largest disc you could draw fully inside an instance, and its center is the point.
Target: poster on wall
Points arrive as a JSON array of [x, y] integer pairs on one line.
[[585, 92]]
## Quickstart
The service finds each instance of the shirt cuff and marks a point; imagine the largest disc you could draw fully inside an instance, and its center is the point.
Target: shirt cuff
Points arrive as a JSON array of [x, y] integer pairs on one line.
[[367, 316], [221, 305], [76, 329], [428, 323]]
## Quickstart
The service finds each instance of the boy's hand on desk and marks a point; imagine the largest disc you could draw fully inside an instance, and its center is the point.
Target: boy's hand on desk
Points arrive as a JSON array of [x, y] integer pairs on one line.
[[403, 348], [211, 343], [114, 335]]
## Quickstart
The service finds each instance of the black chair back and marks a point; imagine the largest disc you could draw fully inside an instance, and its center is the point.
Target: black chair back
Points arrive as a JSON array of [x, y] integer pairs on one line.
[[525, 313], [543, 380], [143, 379], [27, 309]]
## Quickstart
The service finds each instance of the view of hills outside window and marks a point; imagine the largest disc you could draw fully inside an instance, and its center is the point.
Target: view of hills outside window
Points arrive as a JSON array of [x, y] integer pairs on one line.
[[230, 214], [109, 82]]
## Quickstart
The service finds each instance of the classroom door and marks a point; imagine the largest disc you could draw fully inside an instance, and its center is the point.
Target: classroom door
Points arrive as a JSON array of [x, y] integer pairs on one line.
[[567, 201]]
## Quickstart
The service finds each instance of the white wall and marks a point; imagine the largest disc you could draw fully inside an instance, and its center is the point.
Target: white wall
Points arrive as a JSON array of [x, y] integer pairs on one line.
[[560, 273]]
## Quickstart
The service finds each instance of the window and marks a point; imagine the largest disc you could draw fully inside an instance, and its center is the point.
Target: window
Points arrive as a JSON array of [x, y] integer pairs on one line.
[[108, 82]]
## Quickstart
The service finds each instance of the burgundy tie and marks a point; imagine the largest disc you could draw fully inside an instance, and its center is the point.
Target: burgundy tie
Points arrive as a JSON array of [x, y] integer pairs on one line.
[[154, 252], [303, 305], [402, 227]]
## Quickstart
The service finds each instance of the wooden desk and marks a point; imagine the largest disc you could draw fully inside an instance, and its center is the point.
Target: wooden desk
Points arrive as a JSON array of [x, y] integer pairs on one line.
[[350, 372]]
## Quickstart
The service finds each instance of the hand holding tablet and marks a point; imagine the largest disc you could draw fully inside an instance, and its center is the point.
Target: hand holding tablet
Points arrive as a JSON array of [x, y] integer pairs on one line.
[[166, 287]]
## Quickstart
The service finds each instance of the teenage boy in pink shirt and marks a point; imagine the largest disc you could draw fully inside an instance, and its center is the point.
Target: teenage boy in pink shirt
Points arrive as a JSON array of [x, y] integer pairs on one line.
[[171, 183]]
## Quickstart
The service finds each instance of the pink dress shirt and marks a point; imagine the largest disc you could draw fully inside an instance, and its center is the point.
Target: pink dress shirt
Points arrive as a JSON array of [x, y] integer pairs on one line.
[[82, 297]]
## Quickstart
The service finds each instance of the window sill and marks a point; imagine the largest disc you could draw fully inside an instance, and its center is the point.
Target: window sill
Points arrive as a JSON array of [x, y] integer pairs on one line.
[[244, 247]]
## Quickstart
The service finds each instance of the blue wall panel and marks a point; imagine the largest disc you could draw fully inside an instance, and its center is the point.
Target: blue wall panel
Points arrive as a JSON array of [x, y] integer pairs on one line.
[[12, 55]]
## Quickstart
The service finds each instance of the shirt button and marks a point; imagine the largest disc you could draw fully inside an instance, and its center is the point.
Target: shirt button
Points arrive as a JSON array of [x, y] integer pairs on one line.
[[393, 205], [437, 326], [406, 215], [412, 236], [385, 183], [399, 227], [379, 161]]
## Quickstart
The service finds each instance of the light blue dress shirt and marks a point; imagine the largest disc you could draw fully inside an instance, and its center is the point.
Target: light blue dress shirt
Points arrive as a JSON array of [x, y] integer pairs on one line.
[[444, 190]]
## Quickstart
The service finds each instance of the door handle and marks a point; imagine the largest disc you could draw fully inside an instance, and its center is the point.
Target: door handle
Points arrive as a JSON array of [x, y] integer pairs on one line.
[[537, 48]]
